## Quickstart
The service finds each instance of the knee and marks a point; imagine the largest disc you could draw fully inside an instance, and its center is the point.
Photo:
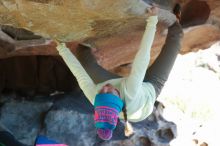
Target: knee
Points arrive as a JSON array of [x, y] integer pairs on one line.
[[175, 30], [158, 84]]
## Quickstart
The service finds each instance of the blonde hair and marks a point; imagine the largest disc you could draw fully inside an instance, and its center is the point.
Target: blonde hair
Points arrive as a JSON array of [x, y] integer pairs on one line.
[[128, 127]]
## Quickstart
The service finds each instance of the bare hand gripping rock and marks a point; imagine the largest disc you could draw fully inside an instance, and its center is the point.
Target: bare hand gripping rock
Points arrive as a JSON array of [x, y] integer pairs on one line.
[[129, 98]]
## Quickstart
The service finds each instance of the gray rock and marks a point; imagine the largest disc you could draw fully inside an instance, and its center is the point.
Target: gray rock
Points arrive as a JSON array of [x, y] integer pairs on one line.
[[23, 119], [71, 127], [153, 131], [71, 121]]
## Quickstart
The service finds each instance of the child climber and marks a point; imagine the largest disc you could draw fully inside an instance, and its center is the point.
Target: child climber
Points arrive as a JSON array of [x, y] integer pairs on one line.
[[135, 94]]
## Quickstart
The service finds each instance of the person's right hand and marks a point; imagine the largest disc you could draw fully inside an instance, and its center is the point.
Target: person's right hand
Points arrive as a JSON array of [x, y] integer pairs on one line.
[[56, 42], [153, 11]]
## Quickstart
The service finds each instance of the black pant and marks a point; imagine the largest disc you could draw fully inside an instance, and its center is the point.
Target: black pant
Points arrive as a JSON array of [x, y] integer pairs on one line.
[[157, 73]]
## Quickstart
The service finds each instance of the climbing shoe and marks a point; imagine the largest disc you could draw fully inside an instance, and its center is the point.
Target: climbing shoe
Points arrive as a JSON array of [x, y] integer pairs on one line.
[[177, 11]]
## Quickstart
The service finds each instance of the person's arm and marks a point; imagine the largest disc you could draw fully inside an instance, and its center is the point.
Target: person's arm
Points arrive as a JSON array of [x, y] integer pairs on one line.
[[141, 61], [85, 82]]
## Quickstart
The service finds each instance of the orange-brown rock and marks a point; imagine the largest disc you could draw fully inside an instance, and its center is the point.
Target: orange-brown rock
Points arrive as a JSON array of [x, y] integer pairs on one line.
[[113, 28]]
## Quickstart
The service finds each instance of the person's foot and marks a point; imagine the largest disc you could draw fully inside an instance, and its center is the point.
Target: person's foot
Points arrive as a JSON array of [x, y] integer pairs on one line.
[[177, 11]]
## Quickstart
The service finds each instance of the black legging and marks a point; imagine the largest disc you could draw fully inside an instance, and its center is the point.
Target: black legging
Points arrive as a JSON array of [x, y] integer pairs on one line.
[[157, 73], [89, 63]]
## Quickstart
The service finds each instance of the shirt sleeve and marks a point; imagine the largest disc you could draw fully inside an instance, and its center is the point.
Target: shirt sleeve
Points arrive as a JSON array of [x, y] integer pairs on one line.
[[141, 61], [85, 82]]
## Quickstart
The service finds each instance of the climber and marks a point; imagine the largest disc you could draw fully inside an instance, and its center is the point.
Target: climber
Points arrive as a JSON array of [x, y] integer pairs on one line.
[[135, 95]]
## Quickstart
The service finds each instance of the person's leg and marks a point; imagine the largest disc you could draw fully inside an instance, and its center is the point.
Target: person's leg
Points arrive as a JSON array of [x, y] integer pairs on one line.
[[158, 72], [88, 61]]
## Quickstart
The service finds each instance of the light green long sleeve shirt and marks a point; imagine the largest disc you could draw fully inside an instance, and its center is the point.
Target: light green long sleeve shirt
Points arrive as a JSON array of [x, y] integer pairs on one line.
[[139, 96]]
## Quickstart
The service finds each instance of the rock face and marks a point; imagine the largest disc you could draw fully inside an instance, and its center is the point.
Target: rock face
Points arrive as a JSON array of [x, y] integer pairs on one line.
[[112, 29], [69, 118], [69, 20], [23, 118], [35, 74]]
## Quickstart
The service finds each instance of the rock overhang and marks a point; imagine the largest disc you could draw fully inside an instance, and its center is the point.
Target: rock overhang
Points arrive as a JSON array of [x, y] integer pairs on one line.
[[113, 29]]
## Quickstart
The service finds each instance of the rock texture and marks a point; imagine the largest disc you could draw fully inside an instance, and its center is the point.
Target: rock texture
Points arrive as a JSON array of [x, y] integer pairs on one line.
[[29, 64], [31, 75], [191, 99], [23, 118], [102, 25], [68, 20], [69, 118], [112, 29]]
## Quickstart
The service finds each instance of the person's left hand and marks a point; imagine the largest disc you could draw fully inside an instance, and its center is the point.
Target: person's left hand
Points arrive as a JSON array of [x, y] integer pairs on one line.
[[153, 11], [57, 42]]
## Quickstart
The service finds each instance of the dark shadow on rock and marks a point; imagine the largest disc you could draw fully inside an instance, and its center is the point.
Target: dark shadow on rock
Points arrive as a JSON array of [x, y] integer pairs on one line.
[[150, 122], [2, 76], [165, 135], [73, 101], [8, 139], [19, 33], [34, 75], [98, 141], [23, 118], [195, 13], [145, 141]]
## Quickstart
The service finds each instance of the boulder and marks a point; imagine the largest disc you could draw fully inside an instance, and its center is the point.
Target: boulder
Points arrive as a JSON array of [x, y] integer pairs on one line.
[[98, 24], [23, 118], [112, 29], [68, 118]]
